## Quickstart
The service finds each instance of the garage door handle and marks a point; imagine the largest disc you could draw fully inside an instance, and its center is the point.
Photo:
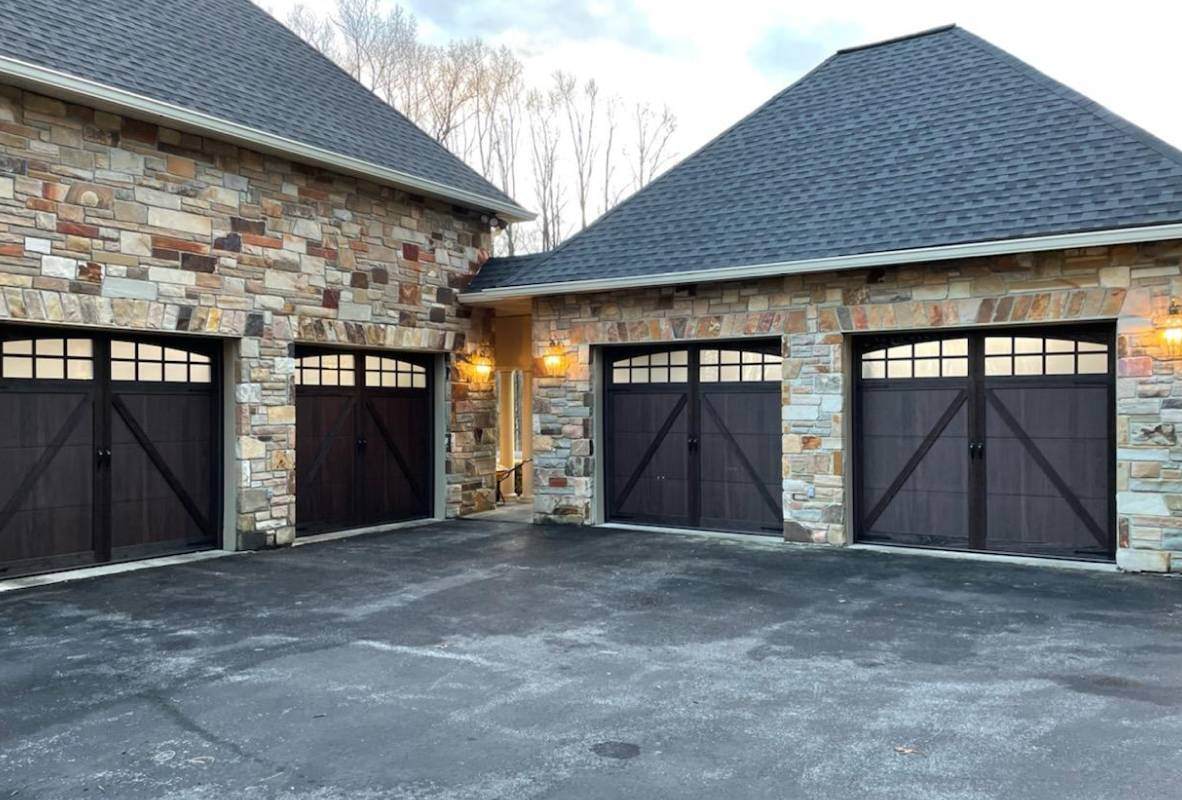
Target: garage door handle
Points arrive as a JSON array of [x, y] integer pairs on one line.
[[360, 444], [976, 449], [693, 443], [102, 455]]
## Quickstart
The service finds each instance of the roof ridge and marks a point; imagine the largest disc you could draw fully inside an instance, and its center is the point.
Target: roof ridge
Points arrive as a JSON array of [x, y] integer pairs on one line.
[[1106, 115], [895, 39]]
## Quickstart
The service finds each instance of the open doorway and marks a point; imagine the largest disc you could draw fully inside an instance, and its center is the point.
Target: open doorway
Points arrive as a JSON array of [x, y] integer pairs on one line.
[[514, 359]]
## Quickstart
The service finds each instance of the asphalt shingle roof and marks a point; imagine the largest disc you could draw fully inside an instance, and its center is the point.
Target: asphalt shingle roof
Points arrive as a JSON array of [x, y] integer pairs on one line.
[[232, 60], [934, 139]]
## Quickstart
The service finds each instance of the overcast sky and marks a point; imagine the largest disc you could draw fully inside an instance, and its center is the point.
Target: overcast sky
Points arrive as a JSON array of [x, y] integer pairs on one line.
[[714, 62]]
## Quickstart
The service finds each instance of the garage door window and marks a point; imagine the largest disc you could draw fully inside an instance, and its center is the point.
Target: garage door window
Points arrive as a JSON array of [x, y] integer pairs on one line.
[[394, 373], [326, 370], [48, 359], [739, 366], [153, 363], [946, 358], [1035, 355], [671, 367]]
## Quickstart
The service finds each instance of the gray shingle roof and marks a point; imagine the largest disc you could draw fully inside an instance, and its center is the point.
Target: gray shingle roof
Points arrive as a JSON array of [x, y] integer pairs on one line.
[[934, 139], [231, 60]]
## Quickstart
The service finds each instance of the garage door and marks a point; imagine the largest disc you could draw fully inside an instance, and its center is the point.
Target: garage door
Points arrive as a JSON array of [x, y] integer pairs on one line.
[[693, 436], [363, 439], [110, 449], [999, 441]]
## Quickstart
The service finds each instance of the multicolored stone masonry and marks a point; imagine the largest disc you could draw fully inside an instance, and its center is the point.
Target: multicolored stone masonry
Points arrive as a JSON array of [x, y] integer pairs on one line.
[[814, 315], [111, 222]]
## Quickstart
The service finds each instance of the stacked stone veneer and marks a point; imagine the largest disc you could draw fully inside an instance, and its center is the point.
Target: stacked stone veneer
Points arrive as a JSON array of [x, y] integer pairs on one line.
[[111, 222], [813, 315]]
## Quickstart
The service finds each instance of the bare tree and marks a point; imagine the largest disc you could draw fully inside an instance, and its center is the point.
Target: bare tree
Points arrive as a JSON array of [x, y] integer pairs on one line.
[[401, 75], [505, 143], [544, 136], [451, 90], [611, 194], [653, 131], [581, 106], [475, 100], [498, 83], [360, 24], [313, 29]]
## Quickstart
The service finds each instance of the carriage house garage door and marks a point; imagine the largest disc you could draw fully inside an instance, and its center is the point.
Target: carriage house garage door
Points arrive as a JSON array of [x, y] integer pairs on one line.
[[692, 435], [999, 440], [109, 449], [363, 439]]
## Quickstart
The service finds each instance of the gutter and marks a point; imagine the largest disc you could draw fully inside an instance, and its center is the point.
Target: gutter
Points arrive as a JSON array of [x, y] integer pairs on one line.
[[883, 258], [87, 92]]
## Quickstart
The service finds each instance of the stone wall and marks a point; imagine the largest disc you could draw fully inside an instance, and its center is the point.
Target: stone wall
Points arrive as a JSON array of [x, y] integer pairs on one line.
[[812, 314], [112, 222]]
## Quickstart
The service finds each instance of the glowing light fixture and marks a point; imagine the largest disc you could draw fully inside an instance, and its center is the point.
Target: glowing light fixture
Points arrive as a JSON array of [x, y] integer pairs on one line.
[[554, 360], [482, 368], [1171, 325]]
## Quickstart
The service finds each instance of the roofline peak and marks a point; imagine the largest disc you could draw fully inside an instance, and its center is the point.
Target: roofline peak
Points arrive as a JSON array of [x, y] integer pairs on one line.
[[894, 39]]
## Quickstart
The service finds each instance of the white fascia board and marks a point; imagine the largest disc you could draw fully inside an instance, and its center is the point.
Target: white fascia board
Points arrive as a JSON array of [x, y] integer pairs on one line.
[[108, 98], [885, 258]]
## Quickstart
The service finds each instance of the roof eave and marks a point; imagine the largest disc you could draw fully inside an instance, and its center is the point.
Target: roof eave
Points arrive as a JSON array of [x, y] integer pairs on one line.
[[109, 98], [1062, 241]]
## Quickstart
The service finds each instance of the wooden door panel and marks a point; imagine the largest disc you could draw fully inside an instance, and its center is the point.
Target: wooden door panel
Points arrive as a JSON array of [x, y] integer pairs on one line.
[[162, 451], [1047, 480], [396, 457], [364, 439], [741, 465], [112, 448], [649, 465], [46, 479], [914, 465], [1026, 466], [692, 435], [325, 455]]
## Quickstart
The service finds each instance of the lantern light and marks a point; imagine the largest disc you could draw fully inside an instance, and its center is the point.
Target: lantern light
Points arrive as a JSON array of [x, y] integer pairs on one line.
[[1171, 326], [480, 367], [554, 360]]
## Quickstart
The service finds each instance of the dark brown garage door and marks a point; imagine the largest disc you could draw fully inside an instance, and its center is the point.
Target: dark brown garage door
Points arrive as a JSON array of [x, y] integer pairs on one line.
[[363, 439], [110, 449], [999, 440], [693, 436]]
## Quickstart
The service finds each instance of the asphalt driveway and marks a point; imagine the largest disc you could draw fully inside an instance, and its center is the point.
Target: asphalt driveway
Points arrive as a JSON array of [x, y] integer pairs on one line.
[[487, 660]]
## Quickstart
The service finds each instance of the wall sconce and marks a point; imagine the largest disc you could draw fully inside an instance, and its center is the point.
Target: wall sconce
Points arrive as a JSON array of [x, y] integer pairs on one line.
[[1171, 325], [554, 360], [480, 367]]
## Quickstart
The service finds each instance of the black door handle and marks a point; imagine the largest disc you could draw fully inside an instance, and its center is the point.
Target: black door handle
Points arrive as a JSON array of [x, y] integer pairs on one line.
[[693, 443]]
